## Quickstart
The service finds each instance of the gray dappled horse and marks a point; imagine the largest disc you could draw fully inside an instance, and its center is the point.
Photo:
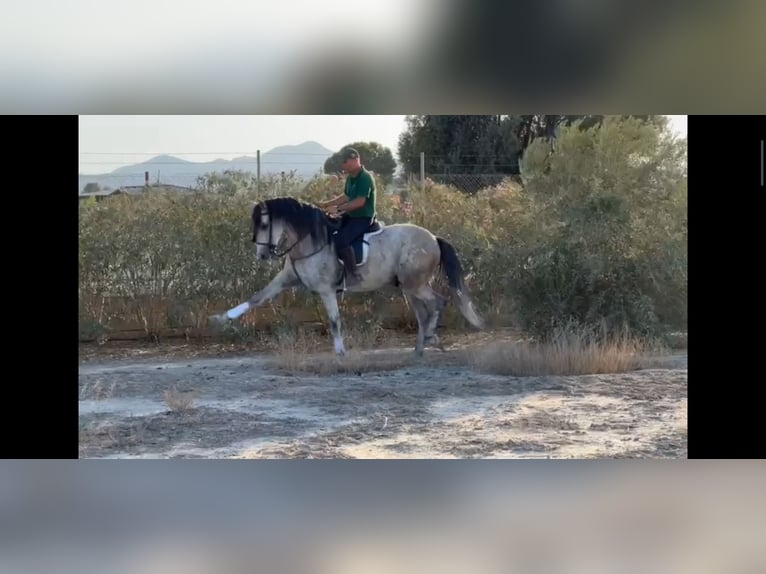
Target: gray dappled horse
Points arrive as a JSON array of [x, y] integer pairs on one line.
[[398, 255]]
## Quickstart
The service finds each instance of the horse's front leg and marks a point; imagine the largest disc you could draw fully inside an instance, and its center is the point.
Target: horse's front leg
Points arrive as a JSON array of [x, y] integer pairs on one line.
[[285, 279], [330, 301]]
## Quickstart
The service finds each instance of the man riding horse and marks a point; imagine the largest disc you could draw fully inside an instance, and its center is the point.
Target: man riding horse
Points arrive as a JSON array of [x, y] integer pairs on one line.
[[356, 206], [403, 255]]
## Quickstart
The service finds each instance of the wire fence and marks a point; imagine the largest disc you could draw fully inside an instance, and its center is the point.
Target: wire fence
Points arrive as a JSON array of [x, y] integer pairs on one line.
[[271, 169], [470, 182]]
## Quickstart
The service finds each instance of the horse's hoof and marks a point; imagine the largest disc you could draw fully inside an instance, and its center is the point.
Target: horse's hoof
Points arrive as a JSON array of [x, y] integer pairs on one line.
[[434, 342]]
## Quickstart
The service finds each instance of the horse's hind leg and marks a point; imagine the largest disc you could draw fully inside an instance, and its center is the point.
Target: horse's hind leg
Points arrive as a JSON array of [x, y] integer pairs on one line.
[[439, 304], [421, 314], [434, 305]]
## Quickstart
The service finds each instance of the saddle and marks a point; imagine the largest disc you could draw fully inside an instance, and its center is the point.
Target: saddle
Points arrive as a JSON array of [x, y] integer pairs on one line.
[[360, 243], [335, 223]]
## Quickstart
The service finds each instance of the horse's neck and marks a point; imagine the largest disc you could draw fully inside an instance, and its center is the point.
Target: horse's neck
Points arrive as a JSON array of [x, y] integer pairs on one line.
[[303, 247]]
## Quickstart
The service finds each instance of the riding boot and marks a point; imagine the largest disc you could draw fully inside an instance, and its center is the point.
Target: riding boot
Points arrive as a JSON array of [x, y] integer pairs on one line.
[[348, 257]]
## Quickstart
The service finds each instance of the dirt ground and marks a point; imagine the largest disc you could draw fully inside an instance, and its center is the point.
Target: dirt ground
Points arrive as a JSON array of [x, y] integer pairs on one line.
[[219, 403]]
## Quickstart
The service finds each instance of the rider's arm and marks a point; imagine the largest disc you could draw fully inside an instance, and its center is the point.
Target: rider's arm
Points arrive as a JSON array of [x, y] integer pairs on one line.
[[336, 201], [353, 205]]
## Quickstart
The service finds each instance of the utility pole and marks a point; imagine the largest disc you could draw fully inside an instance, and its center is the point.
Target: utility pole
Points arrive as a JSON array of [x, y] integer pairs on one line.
[[422, 171]]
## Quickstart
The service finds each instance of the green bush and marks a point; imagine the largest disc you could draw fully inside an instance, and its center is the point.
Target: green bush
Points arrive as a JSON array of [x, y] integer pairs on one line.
[[166, 253], [606, 238]]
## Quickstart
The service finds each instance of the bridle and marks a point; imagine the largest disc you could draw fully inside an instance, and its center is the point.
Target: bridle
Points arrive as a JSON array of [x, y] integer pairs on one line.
[[271, 245]]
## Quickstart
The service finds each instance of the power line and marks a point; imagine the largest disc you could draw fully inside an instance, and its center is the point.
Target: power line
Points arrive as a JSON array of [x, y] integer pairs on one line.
[[140, 174], [253, 153], [267, 162]]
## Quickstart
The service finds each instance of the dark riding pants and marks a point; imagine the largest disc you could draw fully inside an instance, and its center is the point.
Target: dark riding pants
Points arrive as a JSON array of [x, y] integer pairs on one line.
[[352, 228]]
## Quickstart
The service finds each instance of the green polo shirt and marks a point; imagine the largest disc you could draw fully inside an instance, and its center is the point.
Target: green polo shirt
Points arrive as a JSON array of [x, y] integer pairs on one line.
[[361, 185]]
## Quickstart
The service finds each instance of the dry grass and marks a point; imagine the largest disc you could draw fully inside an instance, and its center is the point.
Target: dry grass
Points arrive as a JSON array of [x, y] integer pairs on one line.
[[301, 353], [179, 401], [570, 351], [353, 363]]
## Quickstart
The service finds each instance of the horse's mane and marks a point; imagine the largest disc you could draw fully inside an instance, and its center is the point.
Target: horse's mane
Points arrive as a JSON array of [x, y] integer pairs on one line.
[[304, 218]]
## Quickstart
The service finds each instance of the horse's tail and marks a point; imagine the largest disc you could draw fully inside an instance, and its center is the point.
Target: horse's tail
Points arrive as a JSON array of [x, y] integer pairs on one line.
[[452, 268]]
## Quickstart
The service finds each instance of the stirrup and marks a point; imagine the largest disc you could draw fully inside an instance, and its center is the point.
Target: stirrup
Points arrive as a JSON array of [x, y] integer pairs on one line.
[[341, 285]]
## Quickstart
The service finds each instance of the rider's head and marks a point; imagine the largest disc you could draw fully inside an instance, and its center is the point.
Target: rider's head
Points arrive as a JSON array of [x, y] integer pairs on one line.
[[350, 161]]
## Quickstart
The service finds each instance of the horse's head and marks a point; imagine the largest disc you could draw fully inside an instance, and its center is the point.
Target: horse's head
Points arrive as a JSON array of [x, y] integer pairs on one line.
[[267, 231], [287, 217]]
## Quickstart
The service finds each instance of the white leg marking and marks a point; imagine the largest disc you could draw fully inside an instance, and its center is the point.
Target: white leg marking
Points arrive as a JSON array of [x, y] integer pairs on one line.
[[238, 310]]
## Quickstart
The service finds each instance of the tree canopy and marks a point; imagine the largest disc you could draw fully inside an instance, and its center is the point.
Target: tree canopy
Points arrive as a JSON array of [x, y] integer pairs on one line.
[[374, 156], [487, 144]]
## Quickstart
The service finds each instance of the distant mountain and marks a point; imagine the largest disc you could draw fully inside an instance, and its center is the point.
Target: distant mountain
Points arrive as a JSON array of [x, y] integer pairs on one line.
[[307, 159]]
